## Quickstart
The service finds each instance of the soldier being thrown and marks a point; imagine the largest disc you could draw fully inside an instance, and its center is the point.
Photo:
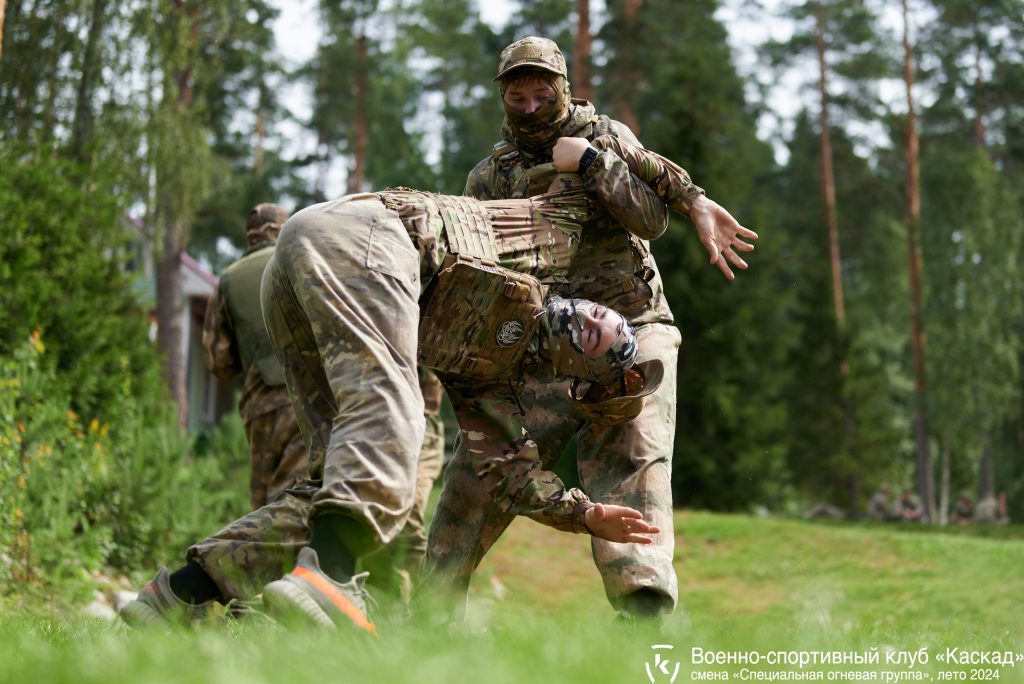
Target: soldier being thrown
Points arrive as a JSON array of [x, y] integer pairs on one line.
[[350, 283]]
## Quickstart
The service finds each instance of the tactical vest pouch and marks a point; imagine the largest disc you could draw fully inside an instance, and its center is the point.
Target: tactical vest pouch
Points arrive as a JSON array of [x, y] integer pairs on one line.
[[539, 178], [479, 319]]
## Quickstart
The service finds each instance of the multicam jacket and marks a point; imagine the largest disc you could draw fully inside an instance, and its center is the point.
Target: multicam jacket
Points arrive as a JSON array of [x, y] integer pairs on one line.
[[614, 265]]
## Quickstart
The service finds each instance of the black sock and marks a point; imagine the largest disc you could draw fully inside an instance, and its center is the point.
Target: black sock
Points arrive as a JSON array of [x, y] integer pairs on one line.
[[192, 585], [336, 560]]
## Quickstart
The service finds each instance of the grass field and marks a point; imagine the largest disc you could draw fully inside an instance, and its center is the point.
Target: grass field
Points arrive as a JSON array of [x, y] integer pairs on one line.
[[762, 587]]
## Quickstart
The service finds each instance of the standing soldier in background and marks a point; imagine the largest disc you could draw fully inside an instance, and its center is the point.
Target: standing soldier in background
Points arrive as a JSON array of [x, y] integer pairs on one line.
[[237, 343], [628, 464]]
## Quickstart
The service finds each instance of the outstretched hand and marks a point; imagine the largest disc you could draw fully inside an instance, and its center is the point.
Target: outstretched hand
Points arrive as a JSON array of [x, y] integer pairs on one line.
[[720, 234], [619, 524]]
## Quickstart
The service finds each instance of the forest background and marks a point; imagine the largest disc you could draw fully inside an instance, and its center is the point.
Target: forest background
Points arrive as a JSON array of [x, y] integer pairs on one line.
[[876, 338]]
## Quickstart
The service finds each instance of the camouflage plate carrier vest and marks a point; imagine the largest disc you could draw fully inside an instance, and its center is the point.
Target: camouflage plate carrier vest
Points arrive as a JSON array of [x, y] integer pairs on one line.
[[477, 318], [240, 286], [611, 267]]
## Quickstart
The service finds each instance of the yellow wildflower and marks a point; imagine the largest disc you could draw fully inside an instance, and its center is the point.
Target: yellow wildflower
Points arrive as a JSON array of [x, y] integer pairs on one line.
[[36, 338]]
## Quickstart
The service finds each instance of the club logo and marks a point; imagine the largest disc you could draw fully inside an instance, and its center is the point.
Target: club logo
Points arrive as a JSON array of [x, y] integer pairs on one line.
[[661, 669], [510, 332]]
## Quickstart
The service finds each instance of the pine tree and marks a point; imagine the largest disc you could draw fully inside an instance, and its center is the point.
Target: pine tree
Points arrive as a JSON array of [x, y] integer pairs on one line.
[[730, 448], [461, 53]]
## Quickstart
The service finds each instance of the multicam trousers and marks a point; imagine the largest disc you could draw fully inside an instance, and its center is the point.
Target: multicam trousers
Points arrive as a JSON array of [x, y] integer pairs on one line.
[[628, 465], [340, 299], [277, 454]]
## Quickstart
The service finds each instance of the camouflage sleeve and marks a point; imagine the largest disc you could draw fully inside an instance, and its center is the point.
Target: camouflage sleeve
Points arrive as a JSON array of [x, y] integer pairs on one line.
[[631, 201], [623, 132], [669, 181], [482, 181], [507, 461], [222, 357]]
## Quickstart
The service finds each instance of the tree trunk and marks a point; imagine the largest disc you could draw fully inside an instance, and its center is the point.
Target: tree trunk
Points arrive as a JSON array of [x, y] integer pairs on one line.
[[944, 487], [355, 179], [925, 475], [169, 307], [627, 56], [3, 4], [979, 107], [261, 133], [986, 467], [81, 131], [61, 38], [581, 51], [26, 93], [828, 185]]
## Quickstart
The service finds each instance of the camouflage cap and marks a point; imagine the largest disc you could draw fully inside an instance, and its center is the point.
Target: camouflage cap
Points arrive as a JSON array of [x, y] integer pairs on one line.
[[265, 213], [264, 223], [619, 402], [532, 52]]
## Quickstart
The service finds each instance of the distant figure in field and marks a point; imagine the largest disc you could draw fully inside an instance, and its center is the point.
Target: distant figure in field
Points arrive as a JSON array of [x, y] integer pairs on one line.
[[908, 508], [1004, 514], [987, 511], [824, 510], [963, 514], [881, 507]]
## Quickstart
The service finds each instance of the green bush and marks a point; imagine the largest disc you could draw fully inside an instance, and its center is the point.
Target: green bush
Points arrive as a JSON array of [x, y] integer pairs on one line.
[[62, 271], [94, 470], [77, 496]]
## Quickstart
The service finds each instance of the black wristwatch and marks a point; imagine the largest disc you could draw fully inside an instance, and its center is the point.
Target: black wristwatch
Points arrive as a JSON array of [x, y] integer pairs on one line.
[[589, 155]]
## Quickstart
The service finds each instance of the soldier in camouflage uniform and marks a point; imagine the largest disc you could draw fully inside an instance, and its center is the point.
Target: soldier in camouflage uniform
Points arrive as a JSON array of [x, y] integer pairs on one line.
[[341, 299], [237, 343], [629, 464]]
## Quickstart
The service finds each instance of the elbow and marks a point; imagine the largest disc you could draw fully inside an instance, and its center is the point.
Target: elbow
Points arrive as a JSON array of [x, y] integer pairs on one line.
[[651, 226]]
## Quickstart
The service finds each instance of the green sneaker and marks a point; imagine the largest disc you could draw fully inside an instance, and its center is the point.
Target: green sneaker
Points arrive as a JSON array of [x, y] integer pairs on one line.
[[157, 606], [307, 593]]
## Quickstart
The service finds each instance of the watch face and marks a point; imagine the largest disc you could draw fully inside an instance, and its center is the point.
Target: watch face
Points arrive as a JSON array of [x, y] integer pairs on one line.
[[589, 155]]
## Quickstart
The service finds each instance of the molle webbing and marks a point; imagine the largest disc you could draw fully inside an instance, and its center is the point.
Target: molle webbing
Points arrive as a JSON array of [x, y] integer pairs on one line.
[[479, 319], [466, 226]]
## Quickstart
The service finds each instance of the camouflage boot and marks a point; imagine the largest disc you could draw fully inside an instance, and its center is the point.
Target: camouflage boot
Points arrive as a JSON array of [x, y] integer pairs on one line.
[[157, 606], [309, 595]]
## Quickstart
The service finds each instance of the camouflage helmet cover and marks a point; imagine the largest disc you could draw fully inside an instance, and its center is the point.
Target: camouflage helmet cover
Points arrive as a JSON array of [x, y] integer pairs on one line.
[[532, 51], [619, 402]]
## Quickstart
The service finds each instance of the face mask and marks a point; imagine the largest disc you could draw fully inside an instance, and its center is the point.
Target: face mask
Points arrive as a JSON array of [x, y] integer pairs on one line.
[[562, 330], [537, 131]]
